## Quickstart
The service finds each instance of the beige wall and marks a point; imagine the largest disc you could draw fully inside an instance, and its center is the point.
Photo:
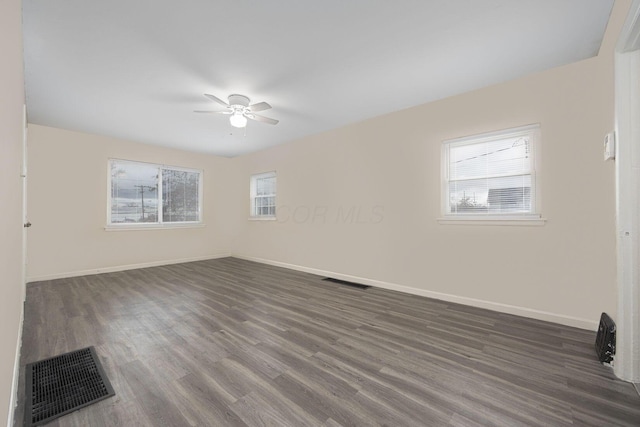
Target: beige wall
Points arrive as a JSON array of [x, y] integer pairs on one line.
[[563, 271], [11, 135], [67, 203]]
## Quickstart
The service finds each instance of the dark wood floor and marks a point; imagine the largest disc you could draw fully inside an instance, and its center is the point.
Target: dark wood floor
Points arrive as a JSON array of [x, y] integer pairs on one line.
[[231, 342]]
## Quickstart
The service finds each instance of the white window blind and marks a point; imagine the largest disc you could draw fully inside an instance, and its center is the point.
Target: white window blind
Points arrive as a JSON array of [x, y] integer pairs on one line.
[[491, 174], [263, 195]]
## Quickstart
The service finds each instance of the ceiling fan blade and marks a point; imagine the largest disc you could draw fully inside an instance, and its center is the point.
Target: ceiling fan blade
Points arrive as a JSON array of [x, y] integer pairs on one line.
[[260, 106], [262, 119], [216, 99]]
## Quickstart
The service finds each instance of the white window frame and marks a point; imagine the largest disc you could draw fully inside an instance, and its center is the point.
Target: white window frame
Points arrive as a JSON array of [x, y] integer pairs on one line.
[[160, 223], [252, 195], [510, 218]]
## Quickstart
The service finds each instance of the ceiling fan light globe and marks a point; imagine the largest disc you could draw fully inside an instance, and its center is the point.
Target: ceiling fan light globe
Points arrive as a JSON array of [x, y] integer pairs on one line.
[[238, 120]]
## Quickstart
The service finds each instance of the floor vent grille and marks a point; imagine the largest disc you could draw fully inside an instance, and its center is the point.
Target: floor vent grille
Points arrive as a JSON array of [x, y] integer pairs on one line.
[[346, 283], [63, 384]]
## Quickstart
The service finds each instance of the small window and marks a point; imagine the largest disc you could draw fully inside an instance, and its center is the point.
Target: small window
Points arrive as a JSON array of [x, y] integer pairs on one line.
[[491, 175], [146, 194], [263, 196]]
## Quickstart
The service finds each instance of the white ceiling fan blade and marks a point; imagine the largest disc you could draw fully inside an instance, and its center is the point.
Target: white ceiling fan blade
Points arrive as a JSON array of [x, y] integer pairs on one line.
[[260, 106], [216, 99], [262, 119]]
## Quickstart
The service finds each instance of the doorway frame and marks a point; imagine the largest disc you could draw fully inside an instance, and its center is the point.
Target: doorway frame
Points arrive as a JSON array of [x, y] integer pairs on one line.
[[627, 127]]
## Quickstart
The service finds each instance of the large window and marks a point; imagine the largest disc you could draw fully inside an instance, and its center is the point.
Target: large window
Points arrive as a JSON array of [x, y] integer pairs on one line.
[[491, 175], [148, 194], [263, 196]]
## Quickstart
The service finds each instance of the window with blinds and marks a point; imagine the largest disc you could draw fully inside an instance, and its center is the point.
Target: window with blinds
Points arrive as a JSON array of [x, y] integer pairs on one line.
[[263, 196], [491, 175], [144, 194]]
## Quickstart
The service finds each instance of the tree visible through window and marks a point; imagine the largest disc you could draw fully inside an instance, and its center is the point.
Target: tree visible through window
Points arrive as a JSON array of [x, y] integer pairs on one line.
[[490, 174], [180, 201], [139, 189]]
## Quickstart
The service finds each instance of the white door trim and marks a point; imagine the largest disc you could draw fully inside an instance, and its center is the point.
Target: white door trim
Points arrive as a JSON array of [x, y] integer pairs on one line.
[[25, 217], [627, 113]]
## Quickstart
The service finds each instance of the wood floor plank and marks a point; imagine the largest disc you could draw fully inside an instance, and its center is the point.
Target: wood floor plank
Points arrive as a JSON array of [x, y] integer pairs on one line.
[[201, 400], [155, 398], [271, 411], [309, 400], [322, 403], [229, 342]]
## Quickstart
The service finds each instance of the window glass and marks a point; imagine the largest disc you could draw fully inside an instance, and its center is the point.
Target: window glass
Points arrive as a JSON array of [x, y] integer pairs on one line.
[[263, 195], [180, 195], [490, 174], [137, 190], [134, 193]]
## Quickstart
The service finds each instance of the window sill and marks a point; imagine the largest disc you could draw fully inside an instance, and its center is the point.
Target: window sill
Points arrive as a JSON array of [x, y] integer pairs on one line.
[[137, 227], [262, 218], [531, 220]]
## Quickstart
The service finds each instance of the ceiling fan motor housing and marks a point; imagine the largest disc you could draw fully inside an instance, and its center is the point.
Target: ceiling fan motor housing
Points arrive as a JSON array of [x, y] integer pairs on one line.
[[240, 100]]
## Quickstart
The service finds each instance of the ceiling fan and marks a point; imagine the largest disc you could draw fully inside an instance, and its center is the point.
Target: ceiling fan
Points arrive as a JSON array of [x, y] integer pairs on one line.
[[239, 109]]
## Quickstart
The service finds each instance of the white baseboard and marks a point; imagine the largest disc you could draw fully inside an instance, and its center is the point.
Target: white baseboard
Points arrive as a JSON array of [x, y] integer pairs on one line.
[[490, 305], [123, 267], [13, 402], [495, 306]]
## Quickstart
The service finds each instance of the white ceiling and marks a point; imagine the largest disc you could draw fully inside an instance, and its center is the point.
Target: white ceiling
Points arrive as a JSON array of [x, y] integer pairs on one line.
[[137, 69]]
